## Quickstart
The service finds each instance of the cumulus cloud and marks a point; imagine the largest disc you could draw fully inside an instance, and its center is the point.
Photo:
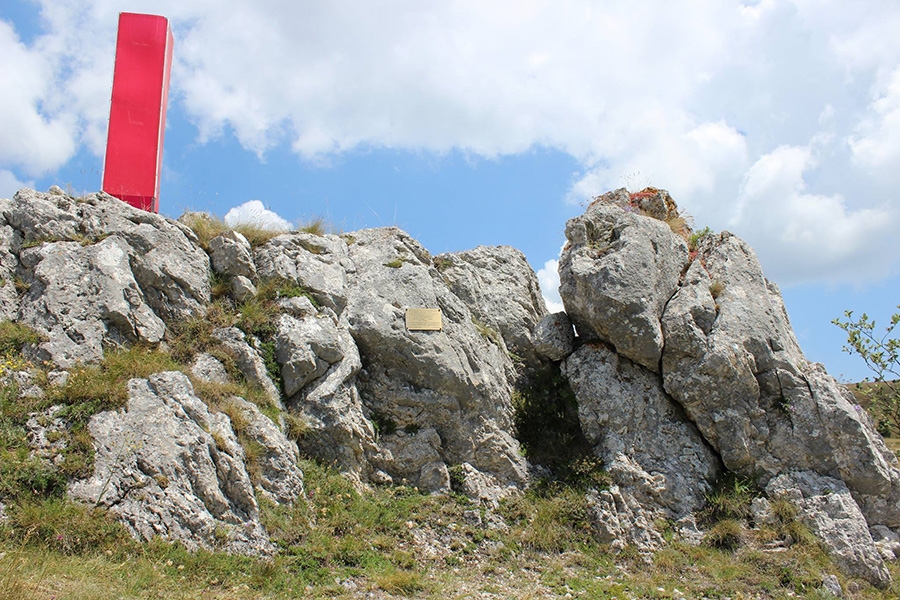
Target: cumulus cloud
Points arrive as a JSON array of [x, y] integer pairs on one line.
[[253, 212], [548, 278], [9, 184], [714, 101], [876, 143], [802, 236]]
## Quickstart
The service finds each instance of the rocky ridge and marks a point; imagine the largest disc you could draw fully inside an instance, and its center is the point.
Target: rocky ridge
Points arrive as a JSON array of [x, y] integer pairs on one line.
[[678, 350]]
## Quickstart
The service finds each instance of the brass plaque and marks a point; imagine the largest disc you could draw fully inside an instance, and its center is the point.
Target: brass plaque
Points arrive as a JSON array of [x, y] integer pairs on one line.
[[423, 319]]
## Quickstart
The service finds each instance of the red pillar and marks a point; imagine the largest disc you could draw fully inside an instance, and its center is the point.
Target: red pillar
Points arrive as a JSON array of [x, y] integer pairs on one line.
[[137, 113]]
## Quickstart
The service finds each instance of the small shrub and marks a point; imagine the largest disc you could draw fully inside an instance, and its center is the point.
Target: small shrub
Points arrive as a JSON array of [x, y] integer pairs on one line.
[[694, 239], [295, 427], [716, 288], [13, 336], [204, 226], [726, 534], [730, 500], [401, 581], [383, 424], [395, 264], [442, 263], [315, 227]]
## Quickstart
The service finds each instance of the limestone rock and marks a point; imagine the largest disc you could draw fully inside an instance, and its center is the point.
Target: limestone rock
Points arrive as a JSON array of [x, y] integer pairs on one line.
[[455, 380], [830, 512], [83, 297], [339, 432], [619, 520], [414, 459], [275, 469], [248, 361], [9, 238], [732, 361], [166, 466], [554, 337], [162, 257], [319, 263], [207, 367], [231, 255], [640, 433], [306, 348], [242, 289], [617, 272], [501, 290]]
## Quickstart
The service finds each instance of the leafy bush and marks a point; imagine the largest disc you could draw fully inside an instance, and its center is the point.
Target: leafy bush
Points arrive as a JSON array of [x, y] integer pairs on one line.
[[881, 353]]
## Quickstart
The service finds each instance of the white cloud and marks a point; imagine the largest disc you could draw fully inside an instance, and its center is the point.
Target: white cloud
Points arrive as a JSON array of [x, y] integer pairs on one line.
[[34, 138], [706, 99], [548, 278], [253, 212], [876, 145], [9, 184], [802, 236]]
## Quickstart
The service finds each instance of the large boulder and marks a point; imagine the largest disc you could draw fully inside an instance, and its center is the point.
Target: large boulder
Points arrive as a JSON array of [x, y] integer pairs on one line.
[[319, 363], [455, 381], [645, 441], [617, 272], [319, 263], [167, 262], [166, 466], [731, 359], [82, 297], [501, 290]]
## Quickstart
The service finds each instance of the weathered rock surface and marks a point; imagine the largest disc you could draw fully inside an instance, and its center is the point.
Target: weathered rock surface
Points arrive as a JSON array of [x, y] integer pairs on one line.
[[167, 466], [684, 362], [455, 381], [81, 298], [248, 361], [274, 469], [231, 255], [554, 337], [619, 520], [641, 434], [502, 292], [617, 272], [99, 270], [319, 263], [830, 512], [734, 364]]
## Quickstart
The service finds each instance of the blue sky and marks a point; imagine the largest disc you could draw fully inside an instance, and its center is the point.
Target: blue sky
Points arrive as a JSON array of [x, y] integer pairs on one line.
[[470, 123]]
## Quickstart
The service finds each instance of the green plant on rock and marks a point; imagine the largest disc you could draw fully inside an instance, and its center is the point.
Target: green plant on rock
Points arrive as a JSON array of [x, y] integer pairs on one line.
[[694, 239], [881, 353], [545, 414], [730, 500], [13, 336]]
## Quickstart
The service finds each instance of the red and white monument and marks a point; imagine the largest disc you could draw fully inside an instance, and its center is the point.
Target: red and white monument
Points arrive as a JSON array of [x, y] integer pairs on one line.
[[137, 113]]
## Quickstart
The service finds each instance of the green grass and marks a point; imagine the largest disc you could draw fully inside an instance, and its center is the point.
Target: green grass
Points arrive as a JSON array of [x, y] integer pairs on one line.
[[366, 540]]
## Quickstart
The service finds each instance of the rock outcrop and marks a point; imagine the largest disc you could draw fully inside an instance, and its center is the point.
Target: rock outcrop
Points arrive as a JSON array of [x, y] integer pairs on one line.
[[715, 334], [167, 466], [684, 367]]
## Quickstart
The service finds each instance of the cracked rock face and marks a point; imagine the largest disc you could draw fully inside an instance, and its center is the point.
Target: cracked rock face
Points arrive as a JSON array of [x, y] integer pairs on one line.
[[455, 381], [641, 434], [735, 366], [82, 297], [167, 466], [617, 272], [717, 336]]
